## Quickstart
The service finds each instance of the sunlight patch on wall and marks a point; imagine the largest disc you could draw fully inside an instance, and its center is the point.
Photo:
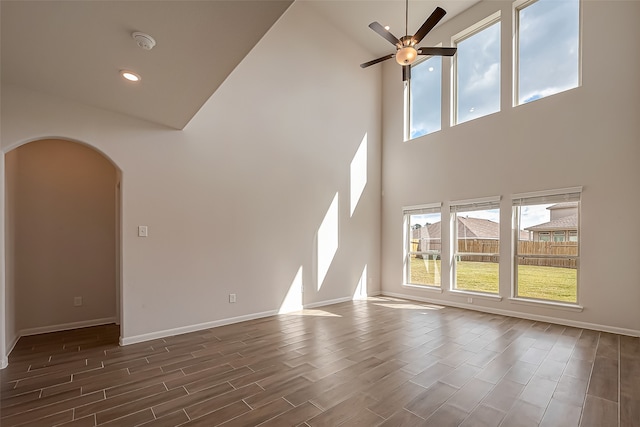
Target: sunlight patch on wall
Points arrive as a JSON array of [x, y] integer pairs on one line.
[[361, 288], [358, 173], [293, 300], [327, 240]]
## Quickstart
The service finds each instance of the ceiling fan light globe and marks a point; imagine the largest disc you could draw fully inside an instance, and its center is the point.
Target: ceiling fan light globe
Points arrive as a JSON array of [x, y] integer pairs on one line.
[[406, 55]]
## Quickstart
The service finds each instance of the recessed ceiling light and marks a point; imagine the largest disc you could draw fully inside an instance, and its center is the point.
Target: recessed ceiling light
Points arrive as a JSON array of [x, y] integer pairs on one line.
[[386, 27], [130, 76]]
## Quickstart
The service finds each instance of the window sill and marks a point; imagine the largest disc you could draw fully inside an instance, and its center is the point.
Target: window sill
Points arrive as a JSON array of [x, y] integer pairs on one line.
[[480, 295], [547, 304], [436, 289]]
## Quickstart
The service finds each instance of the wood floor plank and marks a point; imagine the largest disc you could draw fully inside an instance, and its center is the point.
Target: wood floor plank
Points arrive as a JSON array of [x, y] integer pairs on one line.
[[426, 403], [484, 416], [294, 416], [599, 412], [384, 361]]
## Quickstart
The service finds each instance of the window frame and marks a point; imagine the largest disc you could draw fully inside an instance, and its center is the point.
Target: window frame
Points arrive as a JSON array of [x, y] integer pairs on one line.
[[407, 98], [546, 234], [462, 206], [544, 197], [518, 6], [406, 213], [455, 40]]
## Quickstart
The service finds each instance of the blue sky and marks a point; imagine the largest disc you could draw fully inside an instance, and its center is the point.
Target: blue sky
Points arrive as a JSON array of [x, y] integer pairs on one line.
[[426, 93], [548, 64], [479, 74], [548, 45]]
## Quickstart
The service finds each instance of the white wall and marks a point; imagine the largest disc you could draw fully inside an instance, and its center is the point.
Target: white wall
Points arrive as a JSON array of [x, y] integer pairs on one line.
[[11, 329], [60, 236], [234, 201], [7, 329], [595, 126]]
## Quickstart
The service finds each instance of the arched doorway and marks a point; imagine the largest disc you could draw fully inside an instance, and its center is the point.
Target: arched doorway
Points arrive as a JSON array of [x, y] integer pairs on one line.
[[62, 238]]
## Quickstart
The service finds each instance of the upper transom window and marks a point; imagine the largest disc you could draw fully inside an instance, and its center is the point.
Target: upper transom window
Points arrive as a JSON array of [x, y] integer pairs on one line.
[[477, 71], [425, 98], [547, 48]]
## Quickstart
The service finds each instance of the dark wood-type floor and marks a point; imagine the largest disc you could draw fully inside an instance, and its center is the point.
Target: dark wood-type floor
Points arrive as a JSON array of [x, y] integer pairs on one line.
[[382, 362]]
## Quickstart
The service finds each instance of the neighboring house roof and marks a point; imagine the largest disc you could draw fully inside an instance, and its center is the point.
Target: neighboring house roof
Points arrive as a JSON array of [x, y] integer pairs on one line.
[[563, 205], [569, 222], [468, 228], [477, 228]]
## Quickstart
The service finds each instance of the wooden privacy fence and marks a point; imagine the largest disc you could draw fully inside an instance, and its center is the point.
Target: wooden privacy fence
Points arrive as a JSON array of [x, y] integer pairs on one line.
[[545, 254]]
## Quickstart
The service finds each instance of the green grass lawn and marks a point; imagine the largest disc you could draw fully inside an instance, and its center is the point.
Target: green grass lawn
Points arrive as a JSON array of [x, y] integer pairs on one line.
[[549, 283]]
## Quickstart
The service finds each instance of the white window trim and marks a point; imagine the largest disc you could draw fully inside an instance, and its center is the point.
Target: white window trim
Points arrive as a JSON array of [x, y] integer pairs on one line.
[[516, 202], [479, 203], [458, 38], [545, 193], [406, 127], [407, 211], [517, 6], [407, 98]]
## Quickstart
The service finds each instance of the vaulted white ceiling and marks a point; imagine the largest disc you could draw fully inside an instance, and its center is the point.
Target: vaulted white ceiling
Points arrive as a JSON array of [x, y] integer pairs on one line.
[[75, 49]]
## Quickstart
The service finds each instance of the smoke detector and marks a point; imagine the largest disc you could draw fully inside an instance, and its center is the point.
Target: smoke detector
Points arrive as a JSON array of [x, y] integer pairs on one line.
[[143, 40]]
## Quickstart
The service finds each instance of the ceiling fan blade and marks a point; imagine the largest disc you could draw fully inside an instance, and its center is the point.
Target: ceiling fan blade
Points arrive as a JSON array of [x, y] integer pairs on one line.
[[406, 73], [428, 25], [375, 26], [439, 51], [375, 61]]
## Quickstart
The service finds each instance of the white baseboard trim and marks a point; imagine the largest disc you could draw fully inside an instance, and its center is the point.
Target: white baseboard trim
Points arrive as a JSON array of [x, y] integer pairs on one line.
[[193, 328], [12, 346], [66, 326], [327, 302], [4, 362], [521, 315], [207, 325]]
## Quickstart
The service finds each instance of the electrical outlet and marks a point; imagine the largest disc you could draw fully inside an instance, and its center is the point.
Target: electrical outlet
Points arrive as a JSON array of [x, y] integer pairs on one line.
[[77, 301], [470, 300], [232, 298]]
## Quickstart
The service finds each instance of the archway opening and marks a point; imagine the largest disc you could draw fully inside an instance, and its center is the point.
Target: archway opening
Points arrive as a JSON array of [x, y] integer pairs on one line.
[[62, 238]]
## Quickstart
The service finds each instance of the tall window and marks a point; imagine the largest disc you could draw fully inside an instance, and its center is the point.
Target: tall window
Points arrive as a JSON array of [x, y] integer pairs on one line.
[[548, 48], [476, 239], [477, 71], [423, 245], [547, 268], [425, 97]]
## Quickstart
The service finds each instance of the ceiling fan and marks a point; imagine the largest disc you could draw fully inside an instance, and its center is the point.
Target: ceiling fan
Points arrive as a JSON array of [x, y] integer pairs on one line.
[[406, 50]]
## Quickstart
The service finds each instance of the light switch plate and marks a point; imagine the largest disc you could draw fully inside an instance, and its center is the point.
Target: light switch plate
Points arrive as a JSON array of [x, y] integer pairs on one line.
[[143, 231]]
